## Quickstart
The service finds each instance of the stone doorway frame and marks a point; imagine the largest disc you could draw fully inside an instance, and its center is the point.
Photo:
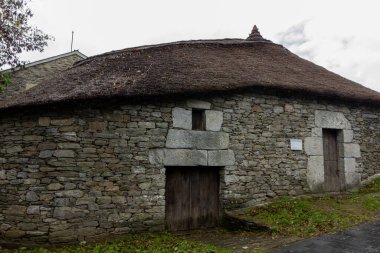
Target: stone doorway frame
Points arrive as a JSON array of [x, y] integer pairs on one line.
[[314, 151]]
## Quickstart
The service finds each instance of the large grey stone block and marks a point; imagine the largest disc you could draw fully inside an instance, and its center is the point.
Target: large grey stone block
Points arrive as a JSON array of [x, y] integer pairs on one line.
[[316, 132], [351, 150], [349, 165], [220, 158], [313, 146], [352, 180], [182, 118], [196, 139], [328, 119], [178, 157], [348, 136], [315, 173], [214, 120], [198, 104]]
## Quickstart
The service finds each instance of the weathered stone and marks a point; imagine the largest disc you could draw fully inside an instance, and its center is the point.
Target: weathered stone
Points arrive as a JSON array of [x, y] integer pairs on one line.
[[316, 132], [178, 157], [315, 173], [214, 120], [182, 118], [314, 146], [289, 108], [278, 109], [348, 136], [328, 119], [47, 146], [54, 186], [3, 160], [144, 186], [62, 122], [146, 125], [103, 200], [46, 154], [220, 158], [67, 213], [349, 165], [32, 138], [70, 193], [97, 126], [352, 180], [4, 227], [44, 121], [68, 145], [198, 104], [26, 226], [119, 199], [31, 196], [351, 150], [257, 108], [196, 139], [138, 170], [85, 201], [64, 153], [67, 235], [14, 149], [33, 210], [15, 210], [14, 233]]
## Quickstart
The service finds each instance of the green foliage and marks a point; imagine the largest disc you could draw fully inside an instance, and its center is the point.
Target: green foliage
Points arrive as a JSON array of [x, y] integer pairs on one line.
[[16, 35], [313, 216], [299, 217], [5, 80], [374, 186], [137, 243]]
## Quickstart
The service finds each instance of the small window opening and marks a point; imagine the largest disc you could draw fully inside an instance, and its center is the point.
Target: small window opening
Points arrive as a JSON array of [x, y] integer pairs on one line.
[[198, 117]]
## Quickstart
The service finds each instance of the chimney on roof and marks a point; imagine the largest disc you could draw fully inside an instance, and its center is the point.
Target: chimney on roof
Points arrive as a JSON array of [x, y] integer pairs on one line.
[[256, 36]]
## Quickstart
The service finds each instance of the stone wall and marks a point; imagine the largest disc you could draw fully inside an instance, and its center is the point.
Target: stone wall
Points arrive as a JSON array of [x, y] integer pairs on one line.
[[29, 77], [83, 173]]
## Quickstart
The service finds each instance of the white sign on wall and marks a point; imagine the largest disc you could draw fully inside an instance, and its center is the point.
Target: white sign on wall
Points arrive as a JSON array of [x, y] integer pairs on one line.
[[295, 144]]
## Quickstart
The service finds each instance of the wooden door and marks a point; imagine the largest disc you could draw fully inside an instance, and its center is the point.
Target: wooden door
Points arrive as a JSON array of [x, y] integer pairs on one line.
[[192, 197], [331, 158]]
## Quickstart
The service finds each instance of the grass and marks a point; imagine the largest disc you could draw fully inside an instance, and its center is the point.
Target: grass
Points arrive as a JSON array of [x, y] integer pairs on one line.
[[305, 217], [137, 243]]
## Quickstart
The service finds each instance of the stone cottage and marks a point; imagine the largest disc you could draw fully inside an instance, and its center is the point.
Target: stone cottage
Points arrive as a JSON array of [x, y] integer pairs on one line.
[[31, 74], [171, 135]]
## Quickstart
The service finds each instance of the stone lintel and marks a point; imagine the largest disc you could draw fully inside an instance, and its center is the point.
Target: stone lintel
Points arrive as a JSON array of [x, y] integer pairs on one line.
[[190, 157], [334, 120], [196, 139], [178, 157], [220, 158]]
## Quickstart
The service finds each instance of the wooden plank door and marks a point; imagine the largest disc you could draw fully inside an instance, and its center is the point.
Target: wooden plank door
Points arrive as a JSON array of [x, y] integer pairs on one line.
[[192, 197], [331, 158]]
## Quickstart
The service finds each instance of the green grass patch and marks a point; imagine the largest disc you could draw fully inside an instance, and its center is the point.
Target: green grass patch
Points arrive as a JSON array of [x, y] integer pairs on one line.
[[307, 217], [374, 186], [137, 243]]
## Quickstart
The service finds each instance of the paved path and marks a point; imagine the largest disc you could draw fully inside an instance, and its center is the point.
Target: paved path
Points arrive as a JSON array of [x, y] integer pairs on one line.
[[362, 239]]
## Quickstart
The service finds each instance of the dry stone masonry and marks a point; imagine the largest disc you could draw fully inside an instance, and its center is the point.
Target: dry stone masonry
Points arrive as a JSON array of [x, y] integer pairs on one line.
[[88, 172]]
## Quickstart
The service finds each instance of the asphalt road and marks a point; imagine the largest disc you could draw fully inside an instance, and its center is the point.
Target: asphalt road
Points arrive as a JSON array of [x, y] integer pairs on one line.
[[361, 239]]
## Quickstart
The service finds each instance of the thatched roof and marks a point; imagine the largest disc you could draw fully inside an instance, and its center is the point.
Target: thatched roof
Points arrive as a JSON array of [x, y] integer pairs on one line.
[[189, 67]]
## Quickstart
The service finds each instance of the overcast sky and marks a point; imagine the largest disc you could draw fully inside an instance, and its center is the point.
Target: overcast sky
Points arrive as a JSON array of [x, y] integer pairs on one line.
[[341, 35]]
